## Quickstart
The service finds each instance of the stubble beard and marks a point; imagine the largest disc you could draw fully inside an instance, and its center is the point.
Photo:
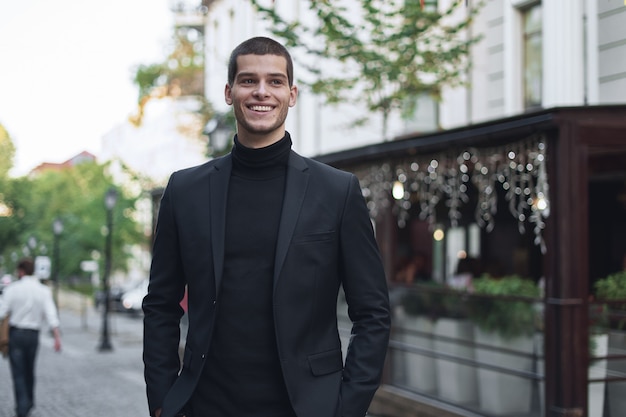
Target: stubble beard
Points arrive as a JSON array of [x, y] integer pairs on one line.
[[256, 129]]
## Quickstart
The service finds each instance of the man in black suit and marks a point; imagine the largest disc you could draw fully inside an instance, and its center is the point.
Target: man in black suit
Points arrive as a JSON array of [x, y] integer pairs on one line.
[[263, 239]]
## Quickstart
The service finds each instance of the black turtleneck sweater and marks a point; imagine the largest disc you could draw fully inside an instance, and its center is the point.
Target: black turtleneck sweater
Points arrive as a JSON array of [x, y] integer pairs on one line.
[[242, 376]]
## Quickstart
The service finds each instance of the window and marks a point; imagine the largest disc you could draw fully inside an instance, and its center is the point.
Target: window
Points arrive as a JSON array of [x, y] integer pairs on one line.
[[420, 114], [533, 62], [430, 5]]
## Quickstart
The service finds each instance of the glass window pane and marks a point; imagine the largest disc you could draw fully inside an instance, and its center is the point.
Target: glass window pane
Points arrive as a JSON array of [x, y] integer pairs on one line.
[[533, 62]]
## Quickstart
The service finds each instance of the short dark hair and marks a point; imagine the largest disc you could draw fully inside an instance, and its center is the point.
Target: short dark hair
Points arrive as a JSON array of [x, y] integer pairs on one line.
[[259, 46], [27, 265]]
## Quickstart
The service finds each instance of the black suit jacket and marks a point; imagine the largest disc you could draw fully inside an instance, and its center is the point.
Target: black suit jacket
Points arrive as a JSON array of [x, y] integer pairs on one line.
[[325, 240]]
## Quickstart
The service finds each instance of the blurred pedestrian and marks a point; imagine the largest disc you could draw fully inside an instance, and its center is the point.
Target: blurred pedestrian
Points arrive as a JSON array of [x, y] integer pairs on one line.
[[414, 270], [263, 239], [29, 305]]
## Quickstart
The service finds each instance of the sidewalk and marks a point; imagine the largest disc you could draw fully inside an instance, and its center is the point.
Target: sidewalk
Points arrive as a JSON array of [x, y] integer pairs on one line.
[[80, 381]]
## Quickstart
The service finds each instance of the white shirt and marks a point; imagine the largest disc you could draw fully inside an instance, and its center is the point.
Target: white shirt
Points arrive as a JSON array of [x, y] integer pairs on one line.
[[29, 303]]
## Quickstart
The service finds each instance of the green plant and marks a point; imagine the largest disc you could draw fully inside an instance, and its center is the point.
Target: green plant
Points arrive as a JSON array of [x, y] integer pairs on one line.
[[611, 290], [418, 301], [509, 308], [454, 304], [389, 53], [434, 300], [612, 286]]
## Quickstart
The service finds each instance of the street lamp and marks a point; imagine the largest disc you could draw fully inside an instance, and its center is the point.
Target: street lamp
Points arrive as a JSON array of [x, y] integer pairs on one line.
[[32, 244], [110, 199], [57, 229], [219, 132]]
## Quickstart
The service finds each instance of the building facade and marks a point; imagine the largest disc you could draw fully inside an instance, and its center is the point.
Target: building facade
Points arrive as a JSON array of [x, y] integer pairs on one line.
[[534, 54], [542, 120]]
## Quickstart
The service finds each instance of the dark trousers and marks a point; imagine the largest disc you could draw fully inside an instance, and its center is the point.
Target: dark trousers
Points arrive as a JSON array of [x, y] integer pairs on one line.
[[23, 345]]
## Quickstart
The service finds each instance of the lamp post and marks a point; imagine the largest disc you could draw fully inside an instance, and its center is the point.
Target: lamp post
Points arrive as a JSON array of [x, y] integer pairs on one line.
[[110, 199], [219, 132], [57, 229], [32, 245]]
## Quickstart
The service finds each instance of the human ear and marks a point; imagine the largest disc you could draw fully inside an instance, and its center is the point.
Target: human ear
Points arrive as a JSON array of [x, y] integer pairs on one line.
[[293, 95], [228, 97]]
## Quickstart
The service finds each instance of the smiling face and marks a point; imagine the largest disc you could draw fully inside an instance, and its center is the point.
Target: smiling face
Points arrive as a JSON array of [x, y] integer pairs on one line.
[[261, 96]]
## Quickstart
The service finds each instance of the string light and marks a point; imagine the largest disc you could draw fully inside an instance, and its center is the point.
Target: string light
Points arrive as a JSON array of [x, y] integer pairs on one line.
[[518, 169]]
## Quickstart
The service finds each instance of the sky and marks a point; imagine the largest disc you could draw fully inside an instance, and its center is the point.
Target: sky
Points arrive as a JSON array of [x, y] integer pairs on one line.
[[66, 70]]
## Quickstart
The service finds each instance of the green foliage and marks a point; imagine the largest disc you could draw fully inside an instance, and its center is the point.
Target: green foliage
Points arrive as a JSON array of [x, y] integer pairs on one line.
[[612, 287], [508, 317], [419, 300], [7, 153], [76, 196], [607, 291], [434, 300], [147, 77], [388, 52], [181, 73], [13, 206]]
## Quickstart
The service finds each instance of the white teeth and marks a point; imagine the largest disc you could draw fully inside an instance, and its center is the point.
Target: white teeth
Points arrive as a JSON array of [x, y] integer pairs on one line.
[[261, 108]]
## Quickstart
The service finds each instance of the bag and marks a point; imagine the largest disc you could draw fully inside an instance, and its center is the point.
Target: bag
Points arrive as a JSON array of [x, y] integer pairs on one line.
[[4, 336]]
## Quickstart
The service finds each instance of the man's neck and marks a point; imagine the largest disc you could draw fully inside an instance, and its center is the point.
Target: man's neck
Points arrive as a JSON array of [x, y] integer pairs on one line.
[[256, 141]]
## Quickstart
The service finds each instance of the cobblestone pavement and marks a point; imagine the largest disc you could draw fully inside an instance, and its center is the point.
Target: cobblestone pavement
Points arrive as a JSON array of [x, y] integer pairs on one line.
[[81, 380]]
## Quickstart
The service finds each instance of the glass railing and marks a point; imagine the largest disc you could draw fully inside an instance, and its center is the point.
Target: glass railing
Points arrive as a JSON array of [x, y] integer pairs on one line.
[[485, 353], [607, 364]]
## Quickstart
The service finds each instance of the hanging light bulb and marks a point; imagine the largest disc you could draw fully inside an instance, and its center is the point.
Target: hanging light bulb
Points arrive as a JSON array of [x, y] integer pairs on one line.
[[397, 191]]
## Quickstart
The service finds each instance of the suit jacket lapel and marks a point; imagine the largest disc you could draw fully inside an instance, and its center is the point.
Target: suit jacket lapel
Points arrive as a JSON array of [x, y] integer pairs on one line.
[[219, 195], [295, 190]]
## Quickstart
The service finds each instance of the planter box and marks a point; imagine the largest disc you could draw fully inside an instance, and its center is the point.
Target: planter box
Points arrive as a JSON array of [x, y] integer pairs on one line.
[[456, 382], [421, 373], [500, 393], [597, 370], [397, 356], [617, 390]]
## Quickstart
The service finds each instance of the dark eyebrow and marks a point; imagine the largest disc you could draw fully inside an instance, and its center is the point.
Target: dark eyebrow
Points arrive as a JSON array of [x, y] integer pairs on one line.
[[253, 74], [278, 75]]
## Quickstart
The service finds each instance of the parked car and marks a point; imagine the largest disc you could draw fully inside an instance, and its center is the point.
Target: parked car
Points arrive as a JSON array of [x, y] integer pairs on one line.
[[131, 300], [116, 293]]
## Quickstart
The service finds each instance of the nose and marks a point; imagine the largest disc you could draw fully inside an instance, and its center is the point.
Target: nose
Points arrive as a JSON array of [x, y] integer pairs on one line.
[[261, 90]]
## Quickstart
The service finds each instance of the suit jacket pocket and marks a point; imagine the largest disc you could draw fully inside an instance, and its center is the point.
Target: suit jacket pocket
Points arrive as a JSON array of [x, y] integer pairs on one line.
[[326, 362], [314, 237]]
